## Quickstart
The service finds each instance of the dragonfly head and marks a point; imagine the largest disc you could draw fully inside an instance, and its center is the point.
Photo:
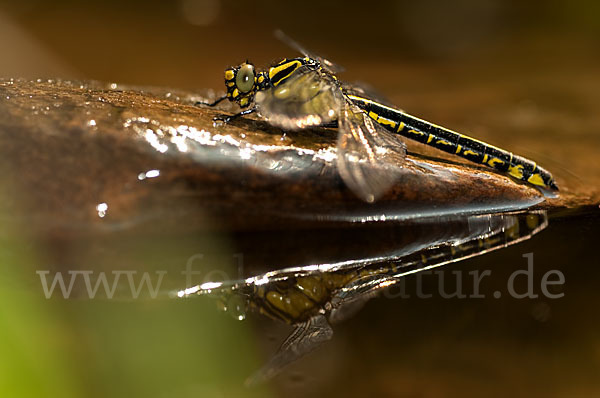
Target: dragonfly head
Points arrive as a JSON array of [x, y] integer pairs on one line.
[[243, 82]]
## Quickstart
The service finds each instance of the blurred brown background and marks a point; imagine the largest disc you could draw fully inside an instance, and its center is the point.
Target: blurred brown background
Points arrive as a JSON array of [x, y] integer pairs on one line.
[[186, 43]]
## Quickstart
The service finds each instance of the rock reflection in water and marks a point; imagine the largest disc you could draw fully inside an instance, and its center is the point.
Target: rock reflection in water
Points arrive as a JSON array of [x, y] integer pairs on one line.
[[312, 297]]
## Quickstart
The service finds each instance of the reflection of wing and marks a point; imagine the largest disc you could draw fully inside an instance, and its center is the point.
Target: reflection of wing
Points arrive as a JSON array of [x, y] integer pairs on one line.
[[327, 64], [370, 158], [306, 337], [307, 98]]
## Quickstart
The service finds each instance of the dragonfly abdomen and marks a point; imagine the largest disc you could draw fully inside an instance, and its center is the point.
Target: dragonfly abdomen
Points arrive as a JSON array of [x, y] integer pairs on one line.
[[457, 144]]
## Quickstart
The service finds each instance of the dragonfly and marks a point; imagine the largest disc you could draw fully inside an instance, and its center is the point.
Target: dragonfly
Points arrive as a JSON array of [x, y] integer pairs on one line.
[[303, 92]]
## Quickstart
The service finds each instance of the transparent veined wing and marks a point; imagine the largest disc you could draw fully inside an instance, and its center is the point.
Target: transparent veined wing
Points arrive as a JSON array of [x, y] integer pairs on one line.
[[308, 97], [362, 89], [370, 159], [327, 64], [306, 337]]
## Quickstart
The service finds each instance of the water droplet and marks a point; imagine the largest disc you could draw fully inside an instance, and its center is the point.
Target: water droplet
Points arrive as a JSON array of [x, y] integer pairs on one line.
[[236, 306], [92, 123], [221, 305], [102, 208], [148, 174]]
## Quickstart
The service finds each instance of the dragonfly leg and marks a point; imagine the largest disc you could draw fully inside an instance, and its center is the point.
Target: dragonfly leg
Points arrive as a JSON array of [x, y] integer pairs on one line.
[[229, 118], [332, 125], [211, 103]]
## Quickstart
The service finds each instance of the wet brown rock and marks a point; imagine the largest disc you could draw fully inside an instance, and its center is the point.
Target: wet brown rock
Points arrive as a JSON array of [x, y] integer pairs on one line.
[[88, 156]]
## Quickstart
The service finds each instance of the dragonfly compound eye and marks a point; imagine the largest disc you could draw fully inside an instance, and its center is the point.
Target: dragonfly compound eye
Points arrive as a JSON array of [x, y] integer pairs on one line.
[[244, 79]]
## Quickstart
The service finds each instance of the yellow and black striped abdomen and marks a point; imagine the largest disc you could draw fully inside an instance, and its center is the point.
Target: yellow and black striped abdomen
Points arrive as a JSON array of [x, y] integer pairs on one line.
[[458, 144]]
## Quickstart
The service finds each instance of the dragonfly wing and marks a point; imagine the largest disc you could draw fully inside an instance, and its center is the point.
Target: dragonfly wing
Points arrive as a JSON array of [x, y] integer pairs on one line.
[[370, 159], [327, 64], [307, 98], [362, 89]]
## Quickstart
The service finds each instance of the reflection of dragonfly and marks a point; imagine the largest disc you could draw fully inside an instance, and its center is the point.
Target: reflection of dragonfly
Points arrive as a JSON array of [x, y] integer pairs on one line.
[[302, 92], [312, 297]]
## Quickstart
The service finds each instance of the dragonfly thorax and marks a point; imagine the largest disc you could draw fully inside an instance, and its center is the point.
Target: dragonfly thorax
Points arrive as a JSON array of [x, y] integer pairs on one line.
[[286, 68]]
